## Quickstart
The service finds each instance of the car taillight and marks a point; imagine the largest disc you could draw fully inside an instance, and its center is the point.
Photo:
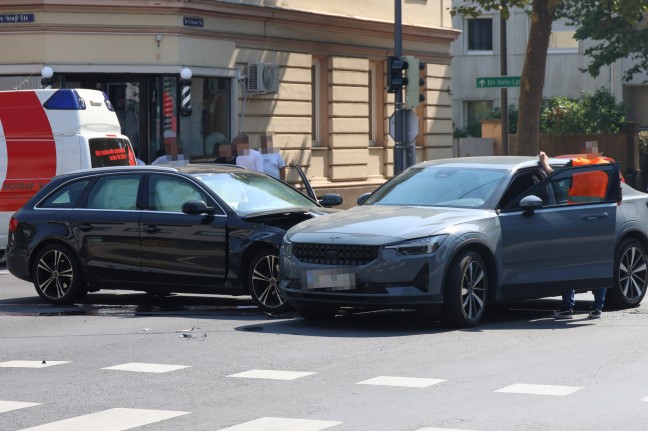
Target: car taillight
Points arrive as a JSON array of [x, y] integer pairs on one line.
[[13, 224]]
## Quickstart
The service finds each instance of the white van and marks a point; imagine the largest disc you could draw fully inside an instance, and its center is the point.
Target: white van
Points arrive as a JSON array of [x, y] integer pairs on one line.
[[48, 132]]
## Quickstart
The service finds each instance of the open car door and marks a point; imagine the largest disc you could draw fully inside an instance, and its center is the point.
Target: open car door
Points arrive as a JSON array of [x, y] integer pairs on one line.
[[560, 234]]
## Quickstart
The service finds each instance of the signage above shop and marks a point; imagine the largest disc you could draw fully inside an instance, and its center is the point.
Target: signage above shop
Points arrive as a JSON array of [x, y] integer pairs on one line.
[[16, 18], [192, 21]]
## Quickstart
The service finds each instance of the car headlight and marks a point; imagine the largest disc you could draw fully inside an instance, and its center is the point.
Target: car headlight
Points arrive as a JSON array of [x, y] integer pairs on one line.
[[418, 246], [286, 247]]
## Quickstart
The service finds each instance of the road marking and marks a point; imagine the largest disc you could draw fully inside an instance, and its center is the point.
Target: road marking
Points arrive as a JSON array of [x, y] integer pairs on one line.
[[644, 399], [31, 364], [271, 374], [7, 406], [146, 368], [282, 424], [521, 388], [407, 382], [4, 272], [443, 429], [109, 420]]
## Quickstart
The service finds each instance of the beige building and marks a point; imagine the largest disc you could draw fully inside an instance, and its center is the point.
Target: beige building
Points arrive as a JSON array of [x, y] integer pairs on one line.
[[310, 73]]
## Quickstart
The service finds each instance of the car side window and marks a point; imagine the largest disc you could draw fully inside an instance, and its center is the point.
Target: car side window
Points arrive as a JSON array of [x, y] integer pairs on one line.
[[578, 185], [114, 192], [66, 196], [168, 193], [520, 183]]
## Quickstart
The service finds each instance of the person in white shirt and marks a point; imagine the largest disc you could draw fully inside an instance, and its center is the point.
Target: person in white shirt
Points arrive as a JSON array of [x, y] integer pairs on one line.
[[273, 164], [247, 157]]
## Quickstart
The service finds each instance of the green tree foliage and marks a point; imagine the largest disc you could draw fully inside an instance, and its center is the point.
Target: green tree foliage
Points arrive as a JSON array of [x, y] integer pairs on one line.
[[617, 28], [615, 24], [596, 112]]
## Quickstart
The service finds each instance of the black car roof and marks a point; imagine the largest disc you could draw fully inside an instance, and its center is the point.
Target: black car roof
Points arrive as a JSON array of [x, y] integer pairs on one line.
[[188, 169]]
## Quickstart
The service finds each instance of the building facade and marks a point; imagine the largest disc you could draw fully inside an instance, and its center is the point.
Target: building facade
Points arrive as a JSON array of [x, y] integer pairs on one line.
[[476, 54], [309, 73]]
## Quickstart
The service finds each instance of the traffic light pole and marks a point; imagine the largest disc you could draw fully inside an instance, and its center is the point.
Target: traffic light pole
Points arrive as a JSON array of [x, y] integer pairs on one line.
[[399, 153]]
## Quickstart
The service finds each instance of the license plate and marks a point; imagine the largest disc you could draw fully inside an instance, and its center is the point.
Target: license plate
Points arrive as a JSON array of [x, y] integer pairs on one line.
[[334, 279]]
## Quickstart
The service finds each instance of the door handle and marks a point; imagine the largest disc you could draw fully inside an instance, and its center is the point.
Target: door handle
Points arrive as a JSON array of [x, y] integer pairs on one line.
[[593, 216], [86, 227], [151, 229]]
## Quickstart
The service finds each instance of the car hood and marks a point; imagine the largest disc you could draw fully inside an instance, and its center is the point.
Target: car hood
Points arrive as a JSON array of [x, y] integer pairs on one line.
[[285, 218], [382, 224]]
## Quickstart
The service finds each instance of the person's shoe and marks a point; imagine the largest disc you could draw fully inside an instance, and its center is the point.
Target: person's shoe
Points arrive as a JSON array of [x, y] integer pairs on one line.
[[595, 313], [563, 313]]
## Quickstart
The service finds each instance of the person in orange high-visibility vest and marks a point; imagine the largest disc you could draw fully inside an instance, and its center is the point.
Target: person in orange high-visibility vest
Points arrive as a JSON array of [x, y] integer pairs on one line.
[[586, 187]]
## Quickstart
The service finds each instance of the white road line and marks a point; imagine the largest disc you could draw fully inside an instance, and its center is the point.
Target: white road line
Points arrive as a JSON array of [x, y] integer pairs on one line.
[[271, 374], [407, 382], [644, 399], [146, 368], [443, 429], [7, 406], [109, 420], [282, 424], [31, 364], [521, 388]]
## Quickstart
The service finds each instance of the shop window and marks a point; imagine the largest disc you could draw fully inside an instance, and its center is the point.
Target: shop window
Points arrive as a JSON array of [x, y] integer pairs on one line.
[[208, 126]]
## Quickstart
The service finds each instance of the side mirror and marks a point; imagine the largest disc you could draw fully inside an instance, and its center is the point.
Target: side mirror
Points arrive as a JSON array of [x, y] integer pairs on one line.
[[530, 204], [362, 198], [330, 200], [197, 207]]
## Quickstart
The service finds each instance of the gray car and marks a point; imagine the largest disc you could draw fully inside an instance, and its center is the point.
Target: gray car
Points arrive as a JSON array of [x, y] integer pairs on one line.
[[451, 236]]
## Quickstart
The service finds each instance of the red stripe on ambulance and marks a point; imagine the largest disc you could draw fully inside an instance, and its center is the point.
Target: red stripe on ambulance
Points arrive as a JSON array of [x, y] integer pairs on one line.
[[31, 162]]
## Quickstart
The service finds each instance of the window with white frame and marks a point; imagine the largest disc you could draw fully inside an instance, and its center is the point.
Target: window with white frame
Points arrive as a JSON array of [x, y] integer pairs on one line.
[[562, 38], [479, 34]]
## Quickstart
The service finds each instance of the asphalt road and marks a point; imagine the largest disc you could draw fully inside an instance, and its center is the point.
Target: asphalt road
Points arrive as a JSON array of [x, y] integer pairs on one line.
[[123, 360]]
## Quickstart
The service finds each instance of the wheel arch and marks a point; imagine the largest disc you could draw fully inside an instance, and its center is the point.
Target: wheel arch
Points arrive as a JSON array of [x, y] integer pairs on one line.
[[41, 245], [489, 259], [247, 256], [633, 234]]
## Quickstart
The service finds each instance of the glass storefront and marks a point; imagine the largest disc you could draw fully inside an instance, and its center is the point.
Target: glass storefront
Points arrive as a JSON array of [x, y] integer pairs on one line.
[[148, 109]]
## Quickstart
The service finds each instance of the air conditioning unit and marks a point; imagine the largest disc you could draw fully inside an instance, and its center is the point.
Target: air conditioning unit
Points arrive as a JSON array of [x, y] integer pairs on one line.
[[263, 78]]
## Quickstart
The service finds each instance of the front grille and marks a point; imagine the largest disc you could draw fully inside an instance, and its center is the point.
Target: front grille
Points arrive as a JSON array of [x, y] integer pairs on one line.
[[332, 254]]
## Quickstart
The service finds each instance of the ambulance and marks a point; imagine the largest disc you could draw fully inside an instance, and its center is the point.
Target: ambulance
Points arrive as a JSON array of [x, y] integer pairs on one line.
[[48, 132]]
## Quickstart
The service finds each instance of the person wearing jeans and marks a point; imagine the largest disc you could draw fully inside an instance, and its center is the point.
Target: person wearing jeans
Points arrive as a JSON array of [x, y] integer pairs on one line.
[[566, 310]]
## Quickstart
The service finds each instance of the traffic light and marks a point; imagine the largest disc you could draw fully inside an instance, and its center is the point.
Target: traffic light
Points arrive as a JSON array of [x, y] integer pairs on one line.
[[413, 82], [395, 73]]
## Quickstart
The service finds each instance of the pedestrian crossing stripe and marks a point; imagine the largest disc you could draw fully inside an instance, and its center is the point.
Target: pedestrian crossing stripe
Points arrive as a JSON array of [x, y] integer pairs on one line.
[[109, 420], [408, 382], [442, 429], [7, 406], [522, 388], [146, 368], [31, 364], [271, 374], [282, 424]]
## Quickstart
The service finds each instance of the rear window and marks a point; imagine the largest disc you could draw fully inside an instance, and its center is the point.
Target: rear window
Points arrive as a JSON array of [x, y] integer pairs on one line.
[[110, 152]]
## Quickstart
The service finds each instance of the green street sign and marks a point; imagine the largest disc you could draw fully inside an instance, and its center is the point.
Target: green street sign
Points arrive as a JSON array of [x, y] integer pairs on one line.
[[498, 81]]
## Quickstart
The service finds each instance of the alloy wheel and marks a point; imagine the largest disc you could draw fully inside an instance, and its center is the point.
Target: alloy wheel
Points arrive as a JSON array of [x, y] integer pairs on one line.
[[54, 274], [633, 273], [264, 280], [473, 290]]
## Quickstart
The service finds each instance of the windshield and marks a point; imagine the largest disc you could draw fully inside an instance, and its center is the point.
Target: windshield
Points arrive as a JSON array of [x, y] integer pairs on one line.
[[249, 191], [464, 187]]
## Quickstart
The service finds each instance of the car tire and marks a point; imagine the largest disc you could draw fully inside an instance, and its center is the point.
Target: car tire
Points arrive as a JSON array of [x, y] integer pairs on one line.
[[466, 291], [57, 275], [630, 275], [263, 282], [313, 312]]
